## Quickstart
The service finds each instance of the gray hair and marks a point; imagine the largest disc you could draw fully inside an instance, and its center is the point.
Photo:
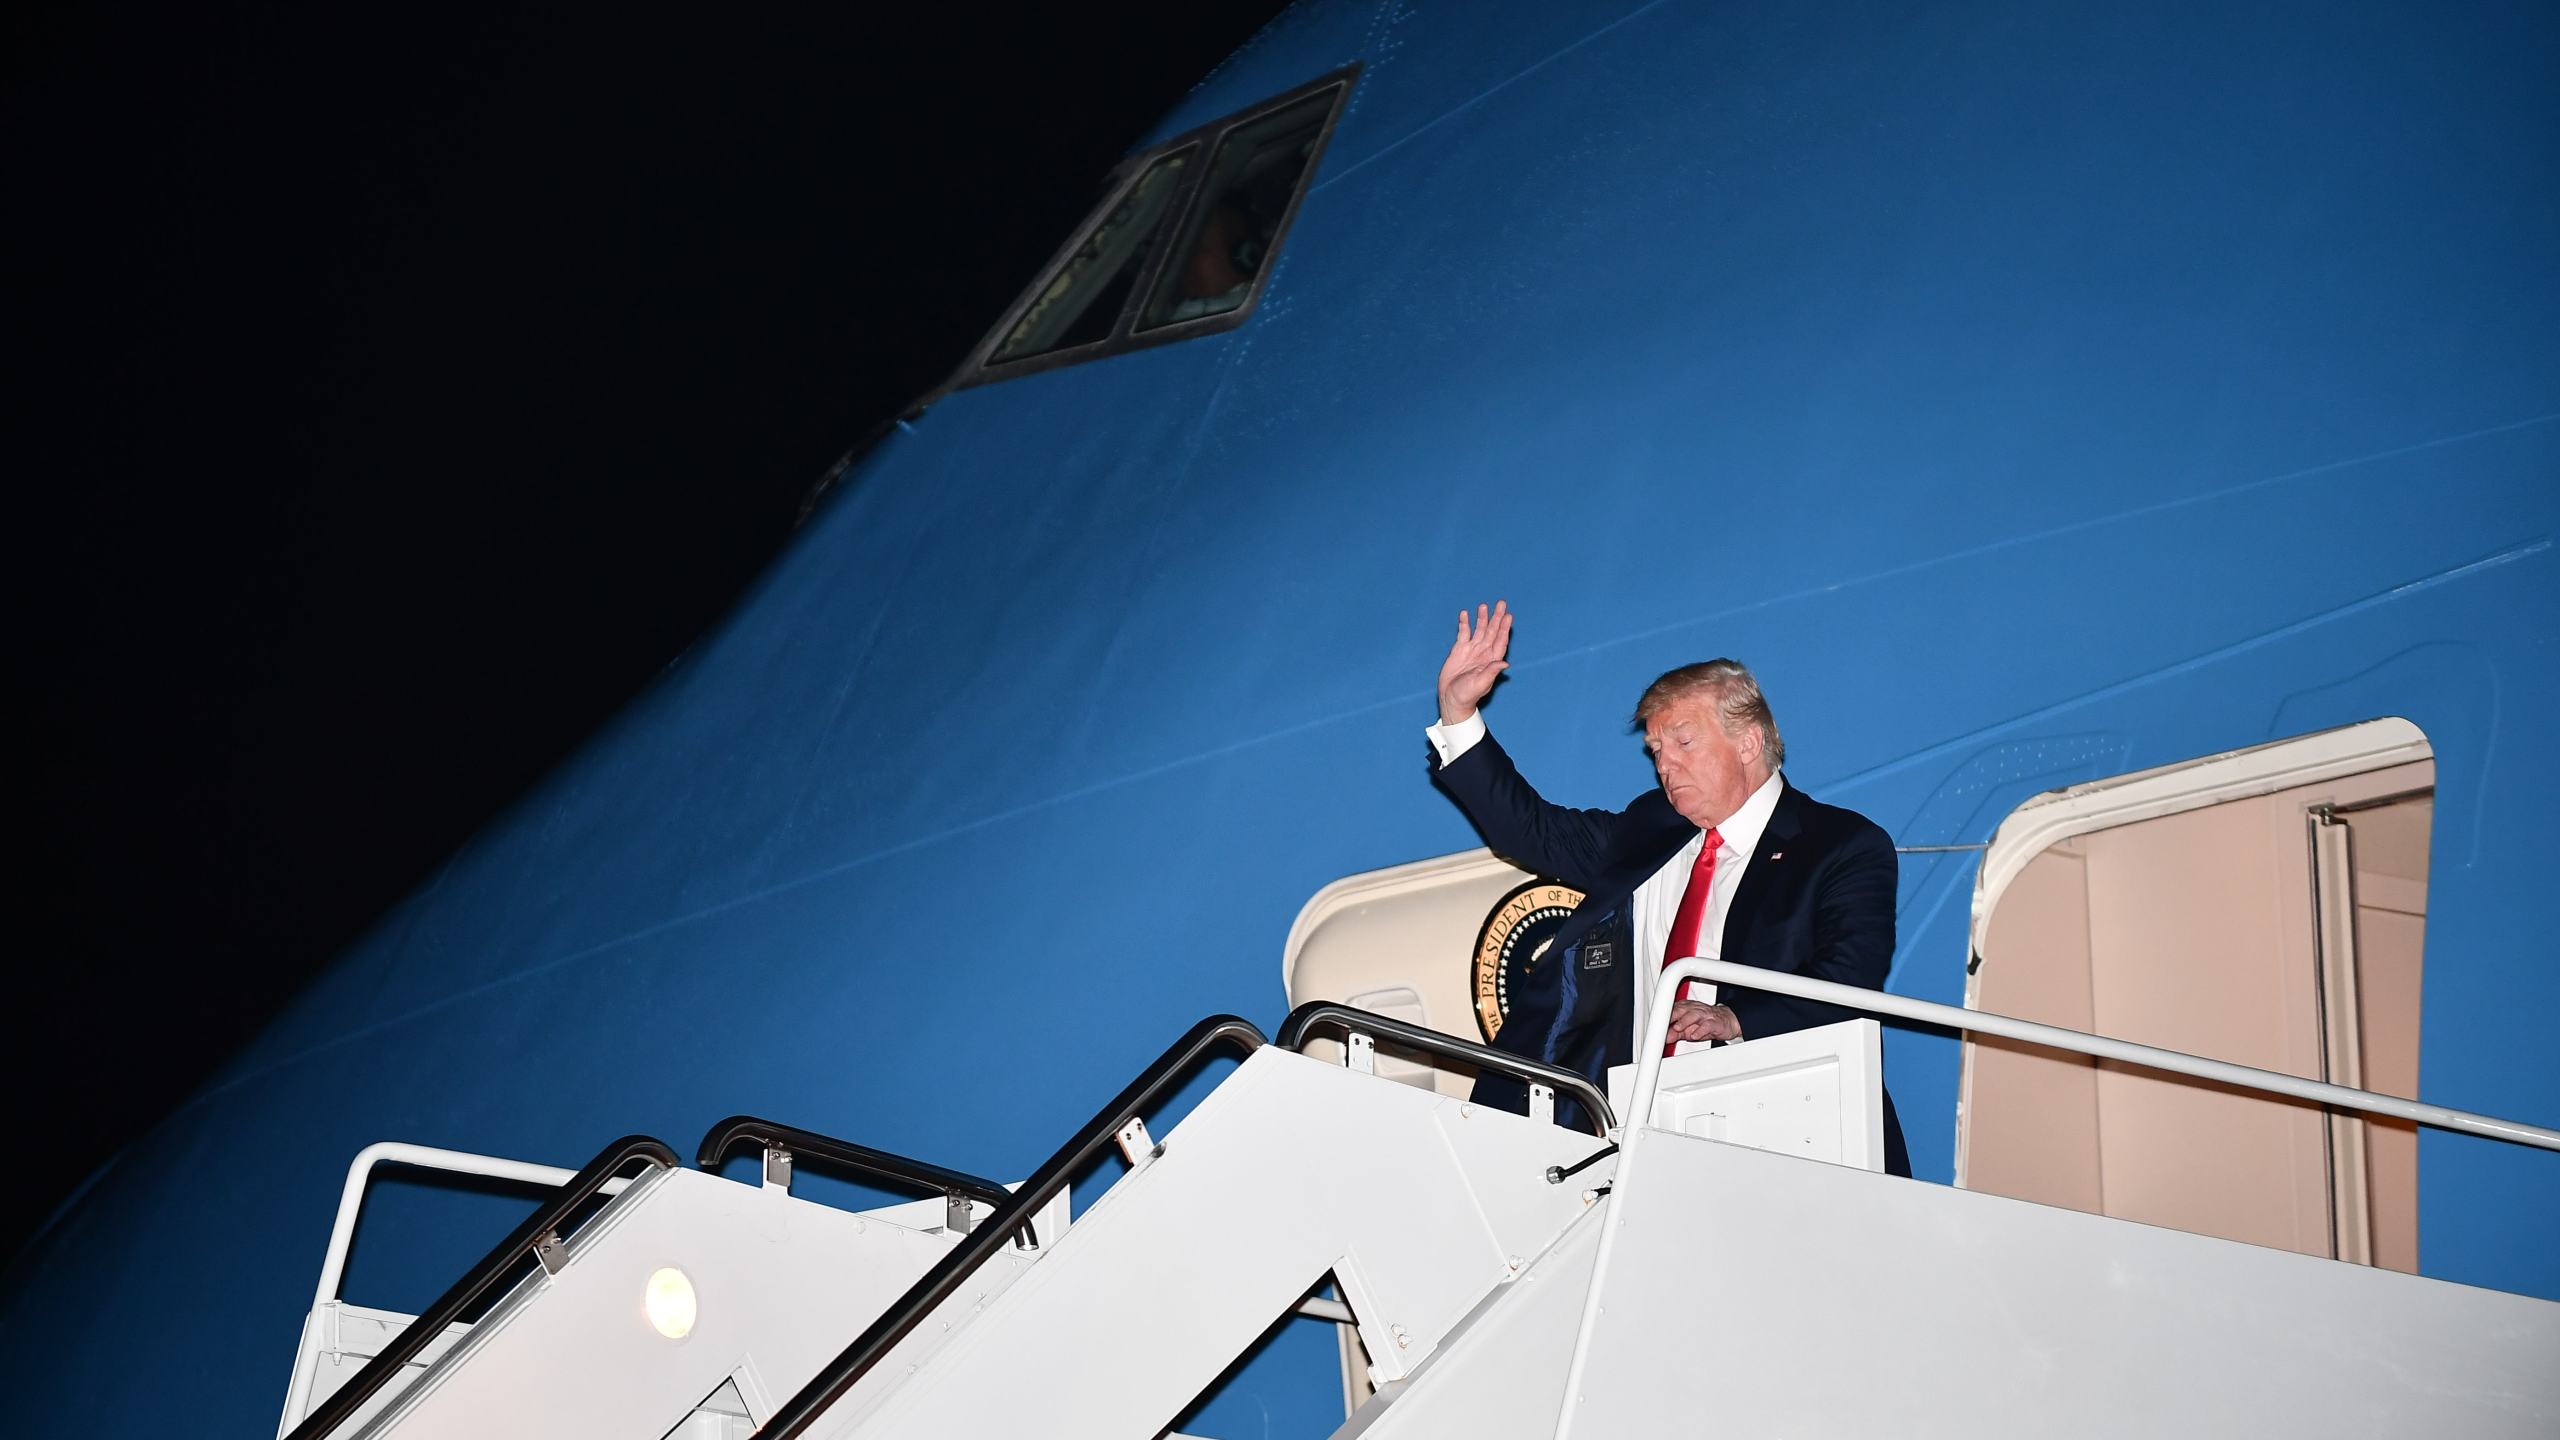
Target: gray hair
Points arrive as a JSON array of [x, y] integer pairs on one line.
[[1735, 693]]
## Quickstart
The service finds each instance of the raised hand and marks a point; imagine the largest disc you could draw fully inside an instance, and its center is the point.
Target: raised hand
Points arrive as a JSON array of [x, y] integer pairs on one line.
[[1475, 661]]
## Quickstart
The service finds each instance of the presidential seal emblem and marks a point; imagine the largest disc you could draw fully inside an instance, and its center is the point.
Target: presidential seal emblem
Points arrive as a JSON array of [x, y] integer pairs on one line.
[[1515, 937]]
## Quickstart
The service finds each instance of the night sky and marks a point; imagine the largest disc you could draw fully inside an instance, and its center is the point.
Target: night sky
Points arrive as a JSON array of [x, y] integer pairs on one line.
[[394, 392]]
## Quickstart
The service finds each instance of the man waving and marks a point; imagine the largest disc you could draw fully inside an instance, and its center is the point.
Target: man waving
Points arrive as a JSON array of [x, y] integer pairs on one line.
[[1724, 859]]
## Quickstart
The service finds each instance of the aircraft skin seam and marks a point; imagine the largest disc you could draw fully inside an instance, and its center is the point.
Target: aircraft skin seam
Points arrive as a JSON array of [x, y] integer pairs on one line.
[[1473, 100], [2523, 550], [2094, 522]]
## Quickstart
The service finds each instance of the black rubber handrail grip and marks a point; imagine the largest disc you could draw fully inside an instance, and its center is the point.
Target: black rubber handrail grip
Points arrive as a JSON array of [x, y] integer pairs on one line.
[[737, 1130], [953, 1269], [329, 1414], [1325, 1014]]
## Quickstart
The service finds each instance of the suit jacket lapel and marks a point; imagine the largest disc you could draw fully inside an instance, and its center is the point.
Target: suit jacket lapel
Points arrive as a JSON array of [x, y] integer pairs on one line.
[[1748, 897], [1660, 837]]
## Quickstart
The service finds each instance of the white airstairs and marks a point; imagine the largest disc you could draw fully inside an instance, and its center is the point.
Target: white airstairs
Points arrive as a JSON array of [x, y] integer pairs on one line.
[[1734, 1264]]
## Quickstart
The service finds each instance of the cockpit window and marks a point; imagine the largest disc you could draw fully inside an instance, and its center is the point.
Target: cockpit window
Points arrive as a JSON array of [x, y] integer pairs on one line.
[[1247, 192], [1084, 298], [1181, 247]]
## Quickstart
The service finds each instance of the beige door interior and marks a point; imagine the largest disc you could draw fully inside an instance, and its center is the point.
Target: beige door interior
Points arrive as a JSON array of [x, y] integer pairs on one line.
[[2280, 929]]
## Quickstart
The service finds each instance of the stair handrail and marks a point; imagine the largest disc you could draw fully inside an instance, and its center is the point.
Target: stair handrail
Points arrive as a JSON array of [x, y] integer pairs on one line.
[[948, 1274], [2053, 1037], [955, 1186], [537, 1236], [1329, 1014], [342, 1230]]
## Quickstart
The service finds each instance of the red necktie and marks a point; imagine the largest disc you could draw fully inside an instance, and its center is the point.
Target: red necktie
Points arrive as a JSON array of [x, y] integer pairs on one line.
[[1689, 922]]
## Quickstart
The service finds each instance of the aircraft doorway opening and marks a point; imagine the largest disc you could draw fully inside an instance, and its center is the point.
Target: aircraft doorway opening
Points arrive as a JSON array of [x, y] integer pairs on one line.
[[2265, 907]]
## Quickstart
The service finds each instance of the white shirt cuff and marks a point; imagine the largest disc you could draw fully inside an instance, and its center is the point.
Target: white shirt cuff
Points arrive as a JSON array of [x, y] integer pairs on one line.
[[1452, 741]]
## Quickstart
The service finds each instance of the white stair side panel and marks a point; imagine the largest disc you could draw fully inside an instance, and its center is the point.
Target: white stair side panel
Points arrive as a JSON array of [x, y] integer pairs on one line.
[[1817, 1093], [1289, 1169], [1499, 1374], [1808, 1299], [1521, 1218], [781, 1285]]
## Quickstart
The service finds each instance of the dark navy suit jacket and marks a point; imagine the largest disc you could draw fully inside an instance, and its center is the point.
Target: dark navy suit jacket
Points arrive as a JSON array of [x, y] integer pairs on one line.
[[1816, 901]]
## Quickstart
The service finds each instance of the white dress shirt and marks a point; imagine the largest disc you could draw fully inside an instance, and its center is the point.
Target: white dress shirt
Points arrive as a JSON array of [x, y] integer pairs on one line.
[[1657, 900]]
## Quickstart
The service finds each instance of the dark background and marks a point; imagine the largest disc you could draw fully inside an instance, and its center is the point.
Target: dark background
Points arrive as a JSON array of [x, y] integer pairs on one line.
[[392, 393]]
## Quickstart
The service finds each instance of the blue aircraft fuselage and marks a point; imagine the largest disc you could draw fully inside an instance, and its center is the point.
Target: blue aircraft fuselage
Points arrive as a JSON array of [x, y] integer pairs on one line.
[[2030, 394]]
